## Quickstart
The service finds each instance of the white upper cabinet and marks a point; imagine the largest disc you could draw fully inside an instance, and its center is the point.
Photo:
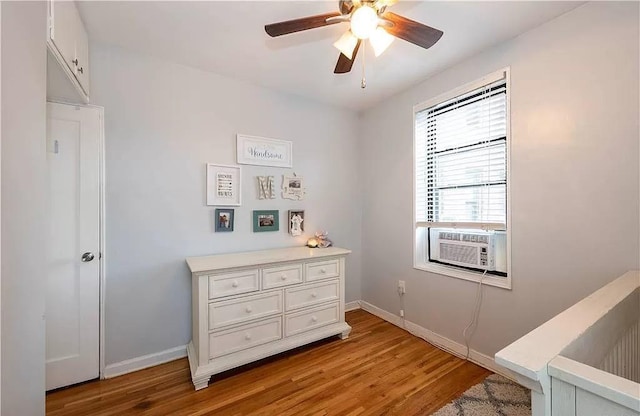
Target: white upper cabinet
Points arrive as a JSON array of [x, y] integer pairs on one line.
[[69, 43]]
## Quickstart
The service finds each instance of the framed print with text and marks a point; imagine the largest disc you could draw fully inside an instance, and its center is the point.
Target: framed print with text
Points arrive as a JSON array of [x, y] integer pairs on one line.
[[252, 150], [224, 185]]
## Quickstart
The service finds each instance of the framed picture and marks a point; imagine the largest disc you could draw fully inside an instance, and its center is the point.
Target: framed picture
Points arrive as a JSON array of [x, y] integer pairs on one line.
[[296, 222], [252, 150], [223, 185], [293, 187], [266, 221], [224, 220]]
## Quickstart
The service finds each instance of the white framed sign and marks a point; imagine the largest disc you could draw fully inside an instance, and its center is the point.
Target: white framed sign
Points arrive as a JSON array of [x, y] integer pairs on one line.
[[252, 150], [223, 185]]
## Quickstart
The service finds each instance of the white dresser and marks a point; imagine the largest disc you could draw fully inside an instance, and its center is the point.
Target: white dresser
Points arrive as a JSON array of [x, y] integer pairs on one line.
[[248, 306]]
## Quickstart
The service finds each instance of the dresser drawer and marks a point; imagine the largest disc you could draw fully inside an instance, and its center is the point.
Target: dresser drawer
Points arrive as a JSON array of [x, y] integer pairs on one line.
[[322, 270], [281, 276], [244, 309], [305, 321], [245, 336], [228, 284], [309, 295]]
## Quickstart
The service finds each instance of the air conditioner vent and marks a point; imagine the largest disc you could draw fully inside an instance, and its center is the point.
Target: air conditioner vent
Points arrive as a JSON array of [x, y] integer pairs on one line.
[[475, 249], [458, 253]]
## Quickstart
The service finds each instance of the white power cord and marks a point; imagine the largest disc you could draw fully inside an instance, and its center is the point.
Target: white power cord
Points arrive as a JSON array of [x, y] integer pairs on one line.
[[474, 320]]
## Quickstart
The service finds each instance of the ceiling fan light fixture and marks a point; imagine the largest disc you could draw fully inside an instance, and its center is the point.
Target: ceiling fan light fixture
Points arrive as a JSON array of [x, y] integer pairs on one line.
[[346, 44], [380, 41], [364, 21]]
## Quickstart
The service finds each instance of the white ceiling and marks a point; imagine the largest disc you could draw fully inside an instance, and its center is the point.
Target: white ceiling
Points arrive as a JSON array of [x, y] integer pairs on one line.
[[228, 38]]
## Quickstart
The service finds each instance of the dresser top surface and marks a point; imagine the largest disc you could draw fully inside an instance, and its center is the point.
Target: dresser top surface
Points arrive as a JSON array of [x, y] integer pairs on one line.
[[262, 257]]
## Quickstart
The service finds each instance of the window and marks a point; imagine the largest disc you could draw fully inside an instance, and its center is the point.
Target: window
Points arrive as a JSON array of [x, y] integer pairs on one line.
[[461, 178]]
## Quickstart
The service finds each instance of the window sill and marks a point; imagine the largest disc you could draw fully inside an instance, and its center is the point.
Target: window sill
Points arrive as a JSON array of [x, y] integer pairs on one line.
[[489, 280]]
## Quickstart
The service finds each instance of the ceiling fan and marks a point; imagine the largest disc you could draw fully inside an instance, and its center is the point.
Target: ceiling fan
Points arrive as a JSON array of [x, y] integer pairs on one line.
[[369, 19]]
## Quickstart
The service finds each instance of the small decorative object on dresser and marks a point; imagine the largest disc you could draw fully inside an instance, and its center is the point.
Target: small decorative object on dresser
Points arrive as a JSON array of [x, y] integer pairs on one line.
[[266, 187], [296, 222], [224, 220], [266, 220], [293, 187], [323, 240], [248, 306]]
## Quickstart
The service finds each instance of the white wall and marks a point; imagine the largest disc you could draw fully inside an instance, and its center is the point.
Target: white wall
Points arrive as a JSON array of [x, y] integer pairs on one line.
[[574, 178], [0, 209], [23, 190], [163, 123]]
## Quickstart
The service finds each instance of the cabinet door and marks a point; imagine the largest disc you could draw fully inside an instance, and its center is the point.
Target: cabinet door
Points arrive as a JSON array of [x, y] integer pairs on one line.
[[82, 55], [64, 18]]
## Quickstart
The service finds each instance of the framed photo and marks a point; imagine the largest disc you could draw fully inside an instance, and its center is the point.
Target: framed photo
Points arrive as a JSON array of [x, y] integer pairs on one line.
[[252, 150], [296, 222], [223, 185], [293, 187], [266, 221], [224, 220]]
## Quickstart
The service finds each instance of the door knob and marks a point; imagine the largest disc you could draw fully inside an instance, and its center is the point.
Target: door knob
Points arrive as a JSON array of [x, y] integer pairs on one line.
[[87, 257]]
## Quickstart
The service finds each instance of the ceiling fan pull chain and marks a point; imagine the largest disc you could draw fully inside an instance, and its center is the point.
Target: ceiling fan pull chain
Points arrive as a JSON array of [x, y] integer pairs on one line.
[[363, 83]]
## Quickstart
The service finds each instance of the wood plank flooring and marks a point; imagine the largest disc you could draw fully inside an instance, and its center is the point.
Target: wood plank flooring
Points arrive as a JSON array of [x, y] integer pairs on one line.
[[379, 370]]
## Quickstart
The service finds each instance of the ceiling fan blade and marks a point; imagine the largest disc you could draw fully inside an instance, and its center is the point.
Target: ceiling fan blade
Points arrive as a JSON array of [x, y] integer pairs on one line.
[[344, 64], [297, 25], [414, 32]]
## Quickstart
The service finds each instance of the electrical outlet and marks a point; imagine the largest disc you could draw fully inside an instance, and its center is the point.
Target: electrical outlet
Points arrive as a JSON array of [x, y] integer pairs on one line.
[[402, 289]]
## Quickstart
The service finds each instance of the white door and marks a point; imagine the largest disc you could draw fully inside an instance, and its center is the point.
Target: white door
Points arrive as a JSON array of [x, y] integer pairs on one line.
[[73, 274]]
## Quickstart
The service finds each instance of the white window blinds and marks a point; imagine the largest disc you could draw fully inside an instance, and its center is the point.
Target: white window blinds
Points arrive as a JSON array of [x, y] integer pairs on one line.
[[461, 160]]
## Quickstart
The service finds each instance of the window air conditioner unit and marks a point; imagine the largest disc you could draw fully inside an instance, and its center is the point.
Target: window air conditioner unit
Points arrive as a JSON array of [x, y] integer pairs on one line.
[[465, 248]]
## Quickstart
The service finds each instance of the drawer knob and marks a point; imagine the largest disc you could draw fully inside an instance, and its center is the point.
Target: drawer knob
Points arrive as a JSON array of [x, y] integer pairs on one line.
[[323, 271], [283, 277], [314, 319], [248, 309], [247, 336], [314, 295], [235, 283]]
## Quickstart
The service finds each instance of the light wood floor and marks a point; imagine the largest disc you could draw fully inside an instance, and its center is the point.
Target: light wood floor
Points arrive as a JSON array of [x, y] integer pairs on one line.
[[379, 370]]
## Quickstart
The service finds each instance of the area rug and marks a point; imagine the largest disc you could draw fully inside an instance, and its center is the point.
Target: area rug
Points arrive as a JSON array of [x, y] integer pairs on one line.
[[495, 396]]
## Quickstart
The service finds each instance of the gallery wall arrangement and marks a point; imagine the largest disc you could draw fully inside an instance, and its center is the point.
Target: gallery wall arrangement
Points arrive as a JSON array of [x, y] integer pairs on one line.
[[224, 186]]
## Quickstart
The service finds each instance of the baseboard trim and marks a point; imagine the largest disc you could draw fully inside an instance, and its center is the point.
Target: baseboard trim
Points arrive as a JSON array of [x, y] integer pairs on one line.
[[438, 341], [352, 306], [450, 346], [146, 361]]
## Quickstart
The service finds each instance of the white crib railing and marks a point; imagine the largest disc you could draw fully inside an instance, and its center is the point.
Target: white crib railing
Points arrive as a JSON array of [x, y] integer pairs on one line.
[[586, 360], [624, 358]]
